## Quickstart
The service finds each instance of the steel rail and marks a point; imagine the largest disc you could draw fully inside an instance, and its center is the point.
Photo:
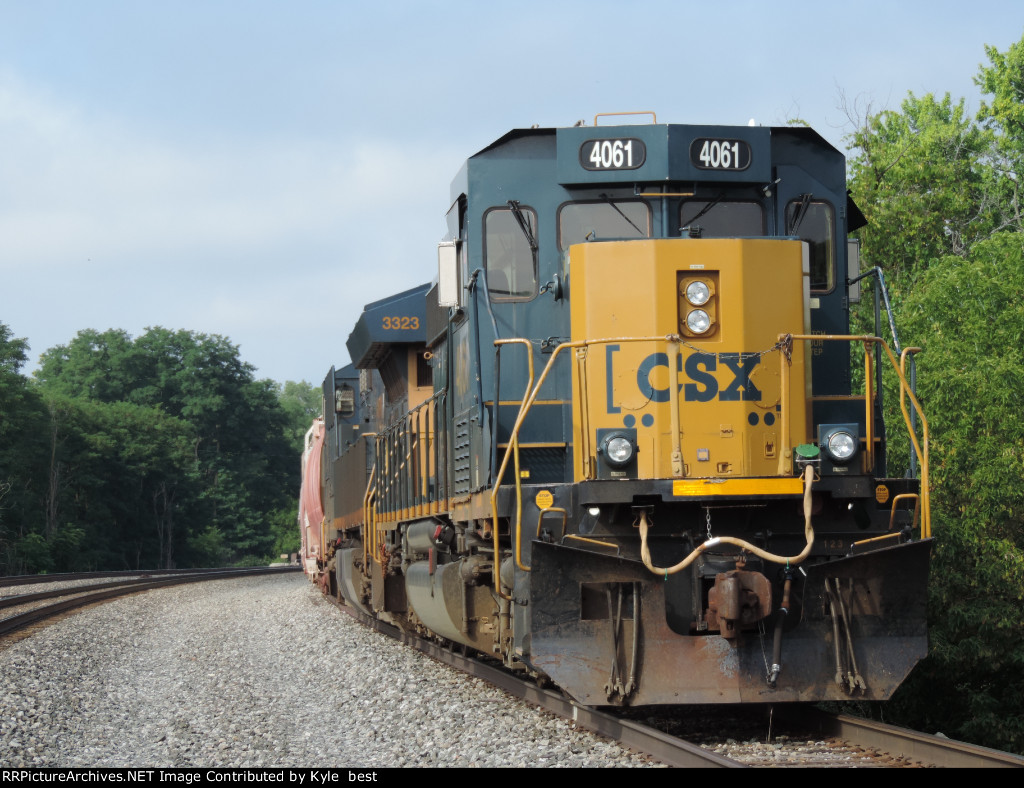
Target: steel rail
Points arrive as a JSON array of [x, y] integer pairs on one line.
[[661, 746], [927, 748], [20, 621], [63, 577]]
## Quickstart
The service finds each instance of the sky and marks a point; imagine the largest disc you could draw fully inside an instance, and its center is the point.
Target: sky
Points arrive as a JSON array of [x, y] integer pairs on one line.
[[262, 169]]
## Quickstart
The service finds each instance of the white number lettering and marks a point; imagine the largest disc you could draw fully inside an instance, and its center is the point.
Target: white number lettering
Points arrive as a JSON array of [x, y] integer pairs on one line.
[[613, 154], [720, 155]]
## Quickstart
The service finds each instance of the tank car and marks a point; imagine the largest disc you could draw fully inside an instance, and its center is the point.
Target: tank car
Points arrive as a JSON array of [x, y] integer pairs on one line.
[[621, 442]]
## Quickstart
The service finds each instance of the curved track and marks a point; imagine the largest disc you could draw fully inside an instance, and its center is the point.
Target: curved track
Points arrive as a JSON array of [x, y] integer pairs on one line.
[[83, 595]]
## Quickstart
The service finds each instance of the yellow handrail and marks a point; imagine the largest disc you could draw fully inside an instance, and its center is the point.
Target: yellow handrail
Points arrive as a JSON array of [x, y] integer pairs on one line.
[[512, 448], [673, 341], [369, 536], [920, 449]]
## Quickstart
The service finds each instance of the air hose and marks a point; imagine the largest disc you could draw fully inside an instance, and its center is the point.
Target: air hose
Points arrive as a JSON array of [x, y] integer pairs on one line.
[[645, 553], [776, 668]]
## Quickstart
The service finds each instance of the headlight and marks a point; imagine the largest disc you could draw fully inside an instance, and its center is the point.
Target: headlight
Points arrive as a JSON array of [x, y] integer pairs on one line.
[[841, 445], [698, 293], [618, 450], [839, 441], [698, 321]]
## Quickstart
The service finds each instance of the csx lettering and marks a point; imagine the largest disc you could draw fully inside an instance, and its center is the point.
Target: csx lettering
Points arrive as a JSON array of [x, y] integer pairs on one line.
[[703, 384], [742, 387]]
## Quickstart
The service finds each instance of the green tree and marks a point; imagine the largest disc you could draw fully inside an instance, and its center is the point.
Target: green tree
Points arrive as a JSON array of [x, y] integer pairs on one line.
[[244, 467], [942, 194], [302, 402], [121, 478], [972, 312], [1003, 114], [918, 176], [22, 462]]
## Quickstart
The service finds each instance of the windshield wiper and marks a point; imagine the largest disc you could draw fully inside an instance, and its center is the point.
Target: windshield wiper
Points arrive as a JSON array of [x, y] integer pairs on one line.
[[801, 212], [524, 224], [608, 200], [703, 211]]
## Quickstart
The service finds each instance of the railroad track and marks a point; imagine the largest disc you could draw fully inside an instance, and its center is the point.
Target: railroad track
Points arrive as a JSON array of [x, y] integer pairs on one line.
[[73, 597], [63, 577], [788, 736]]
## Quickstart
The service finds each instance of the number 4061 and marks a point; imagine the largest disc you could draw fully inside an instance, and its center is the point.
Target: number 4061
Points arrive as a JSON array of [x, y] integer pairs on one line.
[[720, 154]]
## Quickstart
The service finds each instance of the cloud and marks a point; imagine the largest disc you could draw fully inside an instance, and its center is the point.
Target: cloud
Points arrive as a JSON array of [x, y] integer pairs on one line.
[[111, 225]]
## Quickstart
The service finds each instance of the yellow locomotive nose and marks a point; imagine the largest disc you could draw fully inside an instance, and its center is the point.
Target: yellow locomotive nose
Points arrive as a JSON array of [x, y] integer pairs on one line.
[[700, 332]]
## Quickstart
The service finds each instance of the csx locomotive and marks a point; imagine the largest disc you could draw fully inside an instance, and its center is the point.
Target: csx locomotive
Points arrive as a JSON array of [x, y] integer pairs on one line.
[[625, 442]]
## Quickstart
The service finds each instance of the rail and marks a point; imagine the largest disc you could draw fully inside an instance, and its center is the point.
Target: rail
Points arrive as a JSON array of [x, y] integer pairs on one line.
[[80, 596]]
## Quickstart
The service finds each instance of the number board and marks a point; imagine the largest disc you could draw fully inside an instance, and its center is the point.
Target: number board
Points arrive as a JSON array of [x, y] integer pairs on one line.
[[627, 153], [400, 323], [718, 154]]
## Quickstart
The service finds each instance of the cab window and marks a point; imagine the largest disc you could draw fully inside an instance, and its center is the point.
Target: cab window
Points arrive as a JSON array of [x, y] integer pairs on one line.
[[721, 219], [597, 221], [814, 222], [509, 260]]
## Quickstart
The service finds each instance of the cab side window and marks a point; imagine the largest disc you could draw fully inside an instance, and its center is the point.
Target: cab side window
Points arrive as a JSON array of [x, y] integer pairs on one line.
[[509, 260], [814, 222]]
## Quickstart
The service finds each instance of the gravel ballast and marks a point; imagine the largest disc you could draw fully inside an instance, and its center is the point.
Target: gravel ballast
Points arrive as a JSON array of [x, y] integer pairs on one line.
[[259, 672]]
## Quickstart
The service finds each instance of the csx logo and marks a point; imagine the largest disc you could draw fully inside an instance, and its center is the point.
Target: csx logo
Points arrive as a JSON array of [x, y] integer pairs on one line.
[[704, 381]]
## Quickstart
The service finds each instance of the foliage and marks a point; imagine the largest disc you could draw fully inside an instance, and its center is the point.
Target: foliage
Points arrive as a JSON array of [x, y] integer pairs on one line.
[[972, 312], [1004, 115], [916, 175], [120, 476], [941, 191], [126, 453], [972, 379], [22, 461], [301, 403]]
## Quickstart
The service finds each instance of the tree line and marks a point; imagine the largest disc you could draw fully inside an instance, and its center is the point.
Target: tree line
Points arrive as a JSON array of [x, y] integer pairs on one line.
[[941, 189], [160, 451]]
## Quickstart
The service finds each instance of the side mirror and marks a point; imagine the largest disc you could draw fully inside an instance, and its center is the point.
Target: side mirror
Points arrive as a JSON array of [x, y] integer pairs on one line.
[[448, 273], [853, 268]]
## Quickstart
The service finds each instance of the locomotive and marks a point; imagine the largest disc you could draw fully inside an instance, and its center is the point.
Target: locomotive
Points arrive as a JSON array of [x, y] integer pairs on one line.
[[624, 441]]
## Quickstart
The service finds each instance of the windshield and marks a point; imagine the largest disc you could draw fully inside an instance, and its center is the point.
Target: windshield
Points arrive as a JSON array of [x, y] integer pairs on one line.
[[596, 221], [721, 218]]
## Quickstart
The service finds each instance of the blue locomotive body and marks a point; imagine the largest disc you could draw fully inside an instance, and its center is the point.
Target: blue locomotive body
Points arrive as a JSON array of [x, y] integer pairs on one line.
[[618, 443]]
